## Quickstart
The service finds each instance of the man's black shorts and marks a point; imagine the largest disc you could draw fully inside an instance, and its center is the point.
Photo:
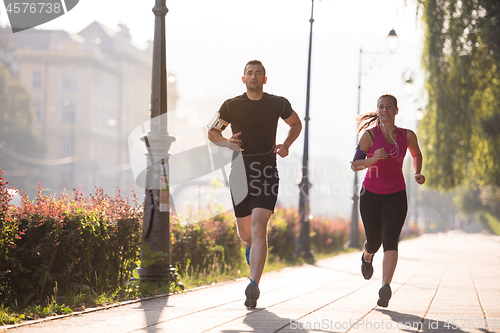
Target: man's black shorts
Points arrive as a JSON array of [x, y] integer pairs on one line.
[[261, 183]]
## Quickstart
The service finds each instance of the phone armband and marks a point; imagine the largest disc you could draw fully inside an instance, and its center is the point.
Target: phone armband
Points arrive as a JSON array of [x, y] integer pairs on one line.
[[359, 155], [217, 123]]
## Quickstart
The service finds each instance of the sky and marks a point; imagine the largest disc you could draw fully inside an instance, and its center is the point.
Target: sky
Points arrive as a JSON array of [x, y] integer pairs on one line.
[[208, 43]]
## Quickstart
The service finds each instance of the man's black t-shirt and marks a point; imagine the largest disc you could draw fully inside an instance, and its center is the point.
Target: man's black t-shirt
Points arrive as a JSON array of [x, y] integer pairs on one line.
[[256, 120]]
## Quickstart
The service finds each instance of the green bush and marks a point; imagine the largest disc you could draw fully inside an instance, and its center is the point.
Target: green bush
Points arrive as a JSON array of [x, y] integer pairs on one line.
[[58, 245], [329, 235], [197, 247], [489, 222], [68, 243]]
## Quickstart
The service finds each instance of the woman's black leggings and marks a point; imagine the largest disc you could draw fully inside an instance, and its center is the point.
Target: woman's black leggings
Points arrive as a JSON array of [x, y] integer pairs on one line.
[[383, 216]]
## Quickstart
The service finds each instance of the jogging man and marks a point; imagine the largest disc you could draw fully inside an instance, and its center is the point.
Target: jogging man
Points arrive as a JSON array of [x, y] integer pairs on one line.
[[254, 119]]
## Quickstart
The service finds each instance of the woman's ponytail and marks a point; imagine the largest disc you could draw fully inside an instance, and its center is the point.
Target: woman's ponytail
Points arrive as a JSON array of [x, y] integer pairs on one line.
[[367, 120]]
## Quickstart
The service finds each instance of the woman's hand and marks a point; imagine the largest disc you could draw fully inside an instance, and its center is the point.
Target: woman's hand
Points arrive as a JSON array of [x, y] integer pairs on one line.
[[419, 178], [379, 154]]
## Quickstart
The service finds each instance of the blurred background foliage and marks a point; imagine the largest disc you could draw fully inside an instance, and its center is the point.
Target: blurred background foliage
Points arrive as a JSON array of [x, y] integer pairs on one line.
[[17, 132], [460, 130]]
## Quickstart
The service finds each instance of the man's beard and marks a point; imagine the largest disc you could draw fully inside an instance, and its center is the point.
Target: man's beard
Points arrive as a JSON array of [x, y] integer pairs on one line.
[[255, 87]]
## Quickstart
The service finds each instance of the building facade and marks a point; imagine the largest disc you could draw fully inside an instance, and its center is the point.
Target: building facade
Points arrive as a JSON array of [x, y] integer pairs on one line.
[[89, 90]]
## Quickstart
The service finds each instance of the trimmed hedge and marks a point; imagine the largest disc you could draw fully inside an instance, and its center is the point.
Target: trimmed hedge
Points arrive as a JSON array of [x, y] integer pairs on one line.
[[200, 246], [69, 242], [63, 244]]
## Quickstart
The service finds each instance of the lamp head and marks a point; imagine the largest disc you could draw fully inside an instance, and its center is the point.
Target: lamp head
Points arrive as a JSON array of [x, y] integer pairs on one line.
[[392, 40]]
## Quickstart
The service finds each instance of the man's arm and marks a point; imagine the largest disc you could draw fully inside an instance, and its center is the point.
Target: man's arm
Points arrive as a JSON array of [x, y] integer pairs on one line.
[[293, 133], [216, 137]]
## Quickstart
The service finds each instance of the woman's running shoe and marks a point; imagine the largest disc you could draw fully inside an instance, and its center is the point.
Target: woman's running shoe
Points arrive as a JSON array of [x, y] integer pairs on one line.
[[384, 295], [366, 267]]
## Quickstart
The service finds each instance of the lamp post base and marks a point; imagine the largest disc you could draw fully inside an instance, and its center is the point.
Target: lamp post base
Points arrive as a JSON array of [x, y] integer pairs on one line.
[[309, 256], [305, 243], [157, 274]]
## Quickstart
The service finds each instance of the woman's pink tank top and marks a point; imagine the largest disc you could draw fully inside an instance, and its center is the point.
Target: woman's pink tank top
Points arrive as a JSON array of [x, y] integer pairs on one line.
[[386, 176]]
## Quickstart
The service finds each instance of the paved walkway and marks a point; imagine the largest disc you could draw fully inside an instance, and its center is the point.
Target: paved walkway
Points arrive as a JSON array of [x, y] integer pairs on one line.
[[443, 283]]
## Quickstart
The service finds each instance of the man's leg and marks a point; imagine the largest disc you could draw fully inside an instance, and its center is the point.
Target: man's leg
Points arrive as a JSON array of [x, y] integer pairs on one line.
[[244, 229], [258, 253]]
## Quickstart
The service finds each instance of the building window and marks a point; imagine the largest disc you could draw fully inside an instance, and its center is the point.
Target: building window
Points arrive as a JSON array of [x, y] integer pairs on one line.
[[69, 82], [37, 106], [36, 79], [96, 113], [68, 112], [67, 148]]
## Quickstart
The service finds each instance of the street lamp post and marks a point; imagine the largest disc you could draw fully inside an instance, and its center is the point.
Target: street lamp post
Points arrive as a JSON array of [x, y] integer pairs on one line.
[[155, 254], [392, 43], [355, 198], [305, 245]]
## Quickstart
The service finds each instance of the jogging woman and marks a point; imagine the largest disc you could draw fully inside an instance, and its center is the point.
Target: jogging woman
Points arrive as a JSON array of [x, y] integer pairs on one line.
[[383, 203]]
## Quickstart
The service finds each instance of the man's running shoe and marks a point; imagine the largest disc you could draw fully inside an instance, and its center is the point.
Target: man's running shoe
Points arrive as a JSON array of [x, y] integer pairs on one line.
[[252, 293], [366, 267], [384, 295], [247, 254]]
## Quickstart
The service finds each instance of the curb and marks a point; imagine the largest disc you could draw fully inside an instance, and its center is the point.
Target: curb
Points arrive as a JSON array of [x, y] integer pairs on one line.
[[107, 307]]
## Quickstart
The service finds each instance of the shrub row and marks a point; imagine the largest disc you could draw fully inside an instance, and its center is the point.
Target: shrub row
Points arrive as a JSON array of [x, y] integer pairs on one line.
[[197, 247], [66, 243]]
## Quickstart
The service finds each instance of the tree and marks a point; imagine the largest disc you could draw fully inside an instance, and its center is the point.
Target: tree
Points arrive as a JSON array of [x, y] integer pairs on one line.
[[460, 131], [17, 132]]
